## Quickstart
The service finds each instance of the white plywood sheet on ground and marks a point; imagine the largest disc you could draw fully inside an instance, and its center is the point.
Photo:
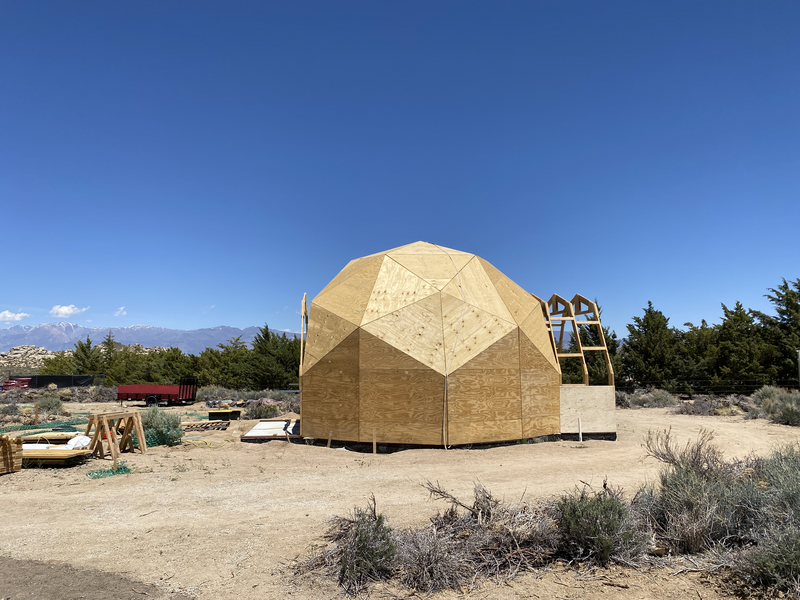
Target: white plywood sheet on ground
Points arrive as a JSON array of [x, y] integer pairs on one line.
[[273, 430], [593, 404]]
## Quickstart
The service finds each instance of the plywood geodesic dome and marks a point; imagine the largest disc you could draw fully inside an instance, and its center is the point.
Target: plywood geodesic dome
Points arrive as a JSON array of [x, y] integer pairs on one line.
[[427, 345]]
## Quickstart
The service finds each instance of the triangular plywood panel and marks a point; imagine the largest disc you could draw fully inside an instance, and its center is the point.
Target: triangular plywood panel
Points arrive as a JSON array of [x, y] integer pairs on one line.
[[349, 269], [394, 288], [416, 330], [535, 329], [325, 331], [468, 331], [473, 285], [375, 354], [519, 302], [531, 357], [503, 354], [491, 271], [437, 270], [349, 298]]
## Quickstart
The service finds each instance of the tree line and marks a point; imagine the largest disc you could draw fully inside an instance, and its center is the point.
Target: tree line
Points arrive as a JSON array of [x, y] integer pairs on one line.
[[271, 362], [747, 348]]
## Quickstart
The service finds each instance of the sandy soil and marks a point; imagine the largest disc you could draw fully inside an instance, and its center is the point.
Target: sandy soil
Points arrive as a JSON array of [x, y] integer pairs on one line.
[[219, 518]]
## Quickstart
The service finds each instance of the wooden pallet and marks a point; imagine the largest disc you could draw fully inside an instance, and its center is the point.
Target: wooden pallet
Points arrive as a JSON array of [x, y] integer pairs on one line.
[[10, 454], [205, 425]]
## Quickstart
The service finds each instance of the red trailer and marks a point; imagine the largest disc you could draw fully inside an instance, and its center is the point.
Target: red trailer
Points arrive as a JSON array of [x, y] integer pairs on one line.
[[19, 382], [183, 393]]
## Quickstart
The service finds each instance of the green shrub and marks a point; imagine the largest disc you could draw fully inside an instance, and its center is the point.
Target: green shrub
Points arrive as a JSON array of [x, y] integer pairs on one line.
[[51, 404], [261, 411], [9, 409], [161, 428], [767, 393], [597, 526], [652, 398], [774, 562], [366, 547]]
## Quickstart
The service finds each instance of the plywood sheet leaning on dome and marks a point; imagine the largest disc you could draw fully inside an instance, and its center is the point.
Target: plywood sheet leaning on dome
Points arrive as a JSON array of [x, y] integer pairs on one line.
[[428, 345]]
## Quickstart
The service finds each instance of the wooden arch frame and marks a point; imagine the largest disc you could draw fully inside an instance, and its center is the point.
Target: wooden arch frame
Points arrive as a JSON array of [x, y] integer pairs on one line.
[[579, 312]]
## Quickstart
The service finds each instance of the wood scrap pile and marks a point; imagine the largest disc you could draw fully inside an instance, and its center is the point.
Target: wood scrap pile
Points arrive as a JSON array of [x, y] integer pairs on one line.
[[10, 454], [205, 425]]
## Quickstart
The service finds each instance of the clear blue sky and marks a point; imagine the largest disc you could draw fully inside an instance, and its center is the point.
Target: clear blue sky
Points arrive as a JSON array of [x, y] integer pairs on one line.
[[205, 163]]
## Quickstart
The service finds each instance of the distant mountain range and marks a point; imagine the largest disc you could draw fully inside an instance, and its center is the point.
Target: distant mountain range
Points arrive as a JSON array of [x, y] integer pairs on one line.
[[62, 336]]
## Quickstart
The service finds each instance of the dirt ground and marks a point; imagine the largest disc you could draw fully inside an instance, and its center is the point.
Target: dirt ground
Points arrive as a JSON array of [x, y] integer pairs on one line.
[[216, 518]]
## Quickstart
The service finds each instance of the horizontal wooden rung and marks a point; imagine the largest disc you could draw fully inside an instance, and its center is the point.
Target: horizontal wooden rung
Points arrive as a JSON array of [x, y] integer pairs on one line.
[[594, 348], [579, 322], [569, 355]]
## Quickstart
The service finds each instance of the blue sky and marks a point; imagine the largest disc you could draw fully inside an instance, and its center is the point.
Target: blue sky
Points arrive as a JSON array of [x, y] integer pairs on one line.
[[191, 164]]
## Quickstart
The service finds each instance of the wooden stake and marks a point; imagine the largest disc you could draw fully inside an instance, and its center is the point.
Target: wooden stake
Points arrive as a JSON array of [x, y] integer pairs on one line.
[[374, 442], [330, 435], [36, 415], [580, 431]]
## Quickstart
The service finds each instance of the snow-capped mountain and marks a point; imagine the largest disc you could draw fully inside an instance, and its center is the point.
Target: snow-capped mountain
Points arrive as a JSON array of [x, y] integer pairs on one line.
[[62, 336]]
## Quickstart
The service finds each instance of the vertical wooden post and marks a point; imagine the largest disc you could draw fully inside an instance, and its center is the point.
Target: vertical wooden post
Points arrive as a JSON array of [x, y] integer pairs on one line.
[[330, 436], [580, 431], [374, 442], [36, 414]]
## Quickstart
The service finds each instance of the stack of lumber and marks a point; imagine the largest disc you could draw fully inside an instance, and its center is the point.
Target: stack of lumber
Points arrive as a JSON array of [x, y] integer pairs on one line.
[[53, 456], [205, 425], [10, 454]]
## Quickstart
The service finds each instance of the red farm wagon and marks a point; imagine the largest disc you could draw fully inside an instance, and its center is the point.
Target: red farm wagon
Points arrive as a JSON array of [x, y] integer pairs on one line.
[[153, 394]]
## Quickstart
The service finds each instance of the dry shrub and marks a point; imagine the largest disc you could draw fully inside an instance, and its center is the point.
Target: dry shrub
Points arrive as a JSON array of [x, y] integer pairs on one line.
[[599, 526], [489, 539], [51, 404], [362, 550], [261, 411], [651, 398]]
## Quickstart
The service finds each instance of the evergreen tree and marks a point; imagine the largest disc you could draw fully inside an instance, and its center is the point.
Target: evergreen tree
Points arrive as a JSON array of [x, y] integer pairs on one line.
[[88, 358], [699, 353], [743, 353], [650, 355], [783, 330], [60, 364]]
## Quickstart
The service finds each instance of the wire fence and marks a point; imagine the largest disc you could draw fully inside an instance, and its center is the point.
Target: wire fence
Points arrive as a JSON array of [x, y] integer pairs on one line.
[[708, 386]]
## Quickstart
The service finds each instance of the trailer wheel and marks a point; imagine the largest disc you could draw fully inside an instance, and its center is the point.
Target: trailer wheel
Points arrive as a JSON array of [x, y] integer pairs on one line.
[[151, 401]]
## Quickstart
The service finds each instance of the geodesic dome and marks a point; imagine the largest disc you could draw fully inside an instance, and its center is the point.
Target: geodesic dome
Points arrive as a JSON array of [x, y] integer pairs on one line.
[[427, 345]]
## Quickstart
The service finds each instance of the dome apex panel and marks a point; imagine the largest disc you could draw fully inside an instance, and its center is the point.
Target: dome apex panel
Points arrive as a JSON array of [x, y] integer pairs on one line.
[[435, 269]]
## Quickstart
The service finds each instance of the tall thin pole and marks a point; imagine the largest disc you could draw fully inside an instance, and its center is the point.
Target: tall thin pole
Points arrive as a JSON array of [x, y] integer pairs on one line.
[[798, 368]]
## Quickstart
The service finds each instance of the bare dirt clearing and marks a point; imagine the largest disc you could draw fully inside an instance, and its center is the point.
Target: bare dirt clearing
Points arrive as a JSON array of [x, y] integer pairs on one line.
[[219, 518]]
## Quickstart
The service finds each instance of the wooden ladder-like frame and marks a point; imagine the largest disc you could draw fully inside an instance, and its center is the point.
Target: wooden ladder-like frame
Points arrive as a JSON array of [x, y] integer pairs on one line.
[[559, 313]]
